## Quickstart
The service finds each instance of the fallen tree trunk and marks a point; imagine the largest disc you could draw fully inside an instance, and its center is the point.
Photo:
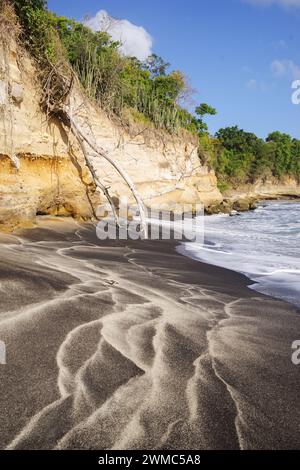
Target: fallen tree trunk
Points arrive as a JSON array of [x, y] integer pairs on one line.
[[57, 89], [81, 137], [98, 182]]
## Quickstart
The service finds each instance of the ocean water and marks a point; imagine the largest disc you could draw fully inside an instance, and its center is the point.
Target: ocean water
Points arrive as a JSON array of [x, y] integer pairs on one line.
[[263, 244]]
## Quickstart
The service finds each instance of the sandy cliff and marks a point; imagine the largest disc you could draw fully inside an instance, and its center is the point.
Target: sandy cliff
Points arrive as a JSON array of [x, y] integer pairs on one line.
[[270, 189], [42, 169], [245, 197]]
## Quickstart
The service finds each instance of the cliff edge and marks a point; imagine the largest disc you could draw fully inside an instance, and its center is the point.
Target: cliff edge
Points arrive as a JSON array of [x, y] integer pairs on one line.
[[43, 171]]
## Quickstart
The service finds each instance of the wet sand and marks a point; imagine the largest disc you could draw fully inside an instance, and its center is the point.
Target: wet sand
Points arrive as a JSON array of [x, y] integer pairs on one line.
[[130, 345]]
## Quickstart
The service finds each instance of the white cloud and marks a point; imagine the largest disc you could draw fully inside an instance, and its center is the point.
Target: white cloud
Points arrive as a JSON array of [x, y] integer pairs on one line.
[[284, 3], [285, 67], [279, 67], [135, 40], [246, 69], [282, 43], [252, 84]]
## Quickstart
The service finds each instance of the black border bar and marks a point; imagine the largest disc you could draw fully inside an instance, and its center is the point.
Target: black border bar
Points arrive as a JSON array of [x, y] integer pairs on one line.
[[138, 458]]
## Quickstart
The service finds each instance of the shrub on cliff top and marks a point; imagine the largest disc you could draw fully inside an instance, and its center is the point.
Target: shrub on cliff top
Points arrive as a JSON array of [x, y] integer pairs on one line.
[[114, 81], [9, 24], [244, 157], [123, 84]]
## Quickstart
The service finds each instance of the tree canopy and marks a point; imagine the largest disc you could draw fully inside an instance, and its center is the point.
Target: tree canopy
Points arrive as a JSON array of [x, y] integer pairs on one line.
[[151, 92], [116, 82], [243, 157]]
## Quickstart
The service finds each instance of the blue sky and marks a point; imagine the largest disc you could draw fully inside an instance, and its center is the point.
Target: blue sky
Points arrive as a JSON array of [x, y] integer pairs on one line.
[[241, 56]]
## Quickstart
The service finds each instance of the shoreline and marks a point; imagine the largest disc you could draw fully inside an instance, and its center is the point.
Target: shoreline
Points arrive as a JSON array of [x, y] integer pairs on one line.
[[131, 345], [246, 203], [277, 272], [226, 206], [251, 282]]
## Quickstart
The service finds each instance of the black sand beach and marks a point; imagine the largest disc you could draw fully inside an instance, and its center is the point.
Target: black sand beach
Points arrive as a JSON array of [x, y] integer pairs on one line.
[[130, 345]]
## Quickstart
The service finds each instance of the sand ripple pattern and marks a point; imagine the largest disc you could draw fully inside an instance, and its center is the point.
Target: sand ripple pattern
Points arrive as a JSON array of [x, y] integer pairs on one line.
[[122, 347]]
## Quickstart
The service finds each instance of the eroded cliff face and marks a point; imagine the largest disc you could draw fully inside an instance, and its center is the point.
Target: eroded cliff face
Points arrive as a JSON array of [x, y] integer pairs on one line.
[[42, 169], [42, 185], [269, 189], [39, 174], [245, 197]]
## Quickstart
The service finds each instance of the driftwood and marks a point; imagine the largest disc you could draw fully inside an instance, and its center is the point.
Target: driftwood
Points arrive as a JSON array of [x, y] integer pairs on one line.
[[79, 134], [57, 100], [98, 183]]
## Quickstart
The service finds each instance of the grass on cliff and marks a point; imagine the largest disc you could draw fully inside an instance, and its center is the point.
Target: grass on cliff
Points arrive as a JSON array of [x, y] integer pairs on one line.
[[115, 82], [149, 93], [9, 24]]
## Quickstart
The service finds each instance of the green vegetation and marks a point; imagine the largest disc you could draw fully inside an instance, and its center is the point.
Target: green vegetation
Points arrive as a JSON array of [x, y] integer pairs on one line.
[[201, 111], [240, 156], [114, 81], [151, 94]]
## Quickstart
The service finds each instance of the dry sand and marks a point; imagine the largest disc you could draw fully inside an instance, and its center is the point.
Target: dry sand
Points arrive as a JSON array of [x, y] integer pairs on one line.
[[130, 345]]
